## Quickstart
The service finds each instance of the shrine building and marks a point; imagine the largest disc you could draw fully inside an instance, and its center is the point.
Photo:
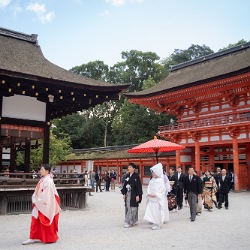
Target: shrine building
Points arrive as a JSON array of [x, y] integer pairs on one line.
[[210, 97], [33, 91]]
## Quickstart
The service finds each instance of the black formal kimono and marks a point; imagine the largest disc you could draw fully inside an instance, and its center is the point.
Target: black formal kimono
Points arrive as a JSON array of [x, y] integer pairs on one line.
[[132, 187], [136, 188], [172, 202]]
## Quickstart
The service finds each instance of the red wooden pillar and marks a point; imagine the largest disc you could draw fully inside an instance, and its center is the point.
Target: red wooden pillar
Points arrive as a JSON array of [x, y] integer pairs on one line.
[[236, 165], [178, 158], [248, 162], [211, 158], [197, 157]]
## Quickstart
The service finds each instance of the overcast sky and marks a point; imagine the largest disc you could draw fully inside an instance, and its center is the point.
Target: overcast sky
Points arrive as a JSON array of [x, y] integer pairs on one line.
[[73, 32]]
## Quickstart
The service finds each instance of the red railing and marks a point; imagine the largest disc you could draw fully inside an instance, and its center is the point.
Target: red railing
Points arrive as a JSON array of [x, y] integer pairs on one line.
[[208, 122]]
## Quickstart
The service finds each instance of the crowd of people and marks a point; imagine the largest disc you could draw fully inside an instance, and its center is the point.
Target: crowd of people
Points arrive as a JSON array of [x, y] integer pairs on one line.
[[166, 192]]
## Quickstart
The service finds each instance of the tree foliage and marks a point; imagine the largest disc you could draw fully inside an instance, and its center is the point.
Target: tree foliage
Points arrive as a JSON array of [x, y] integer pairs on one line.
[[120, 122], [58, 150], [135, 124], [240, 42], [180, 56]]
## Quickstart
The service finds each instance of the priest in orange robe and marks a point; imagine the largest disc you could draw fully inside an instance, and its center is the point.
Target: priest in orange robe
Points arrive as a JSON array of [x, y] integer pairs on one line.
[[45, 213]]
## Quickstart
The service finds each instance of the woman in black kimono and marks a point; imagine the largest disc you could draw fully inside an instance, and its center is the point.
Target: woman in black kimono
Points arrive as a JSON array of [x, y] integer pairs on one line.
[[132, 195]]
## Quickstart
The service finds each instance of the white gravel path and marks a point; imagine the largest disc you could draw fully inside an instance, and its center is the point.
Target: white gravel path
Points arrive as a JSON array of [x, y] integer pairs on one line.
[[100, 226]]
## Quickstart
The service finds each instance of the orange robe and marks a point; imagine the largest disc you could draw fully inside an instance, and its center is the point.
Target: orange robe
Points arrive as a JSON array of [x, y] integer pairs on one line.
[[45, 213]]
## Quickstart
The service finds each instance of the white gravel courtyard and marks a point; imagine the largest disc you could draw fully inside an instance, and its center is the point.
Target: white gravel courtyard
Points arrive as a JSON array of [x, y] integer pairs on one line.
[[100, 226]]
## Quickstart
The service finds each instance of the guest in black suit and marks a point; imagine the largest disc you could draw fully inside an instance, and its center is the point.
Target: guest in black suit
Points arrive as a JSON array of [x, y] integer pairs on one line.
[[98, 180], [223, 183], [179, 187], [193, 190], [216, 177]]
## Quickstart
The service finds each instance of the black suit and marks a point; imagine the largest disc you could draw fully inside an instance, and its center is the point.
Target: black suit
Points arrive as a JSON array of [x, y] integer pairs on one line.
[[179, 189], [192, 189], [224, 187], [98, 180]]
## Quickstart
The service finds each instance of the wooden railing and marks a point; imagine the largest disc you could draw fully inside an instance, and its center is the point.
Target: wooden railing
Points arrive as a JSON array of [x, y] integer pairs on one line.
[[16, 190], [207, 122]]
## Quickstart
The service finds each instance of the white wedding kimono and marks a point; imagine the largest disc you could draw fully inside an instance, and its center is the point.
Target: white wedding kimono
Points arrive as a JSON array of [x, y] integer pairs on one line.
[[156, 206]]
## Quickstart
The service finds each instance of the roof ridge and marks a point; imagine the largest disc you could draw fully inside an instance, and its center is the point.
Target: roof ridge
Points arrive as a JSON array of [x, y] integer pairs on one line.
[[18, 35], [210, 56]]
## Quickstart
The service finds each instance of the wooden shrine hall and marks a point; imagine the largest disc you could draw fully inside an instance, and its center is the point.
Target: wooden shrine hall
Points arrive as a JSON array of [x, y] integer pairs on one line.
[[210, 97], [33, 91]]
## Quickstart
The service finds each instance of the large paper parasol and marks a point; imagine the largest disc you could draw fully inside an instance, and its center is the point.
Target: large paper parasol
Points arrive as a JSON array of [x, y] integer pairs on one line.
[[155, 146]]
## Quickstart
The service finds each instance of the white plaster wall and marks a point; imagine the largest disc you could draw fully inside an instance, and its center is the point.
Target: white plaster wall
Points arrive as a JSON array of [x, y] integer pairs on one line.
[[204, 110], [224, 106], [242, 136], [190, 140], [214, 108], [23, 107], [226, 137], [203, 139], [214, 138], [185, 158]]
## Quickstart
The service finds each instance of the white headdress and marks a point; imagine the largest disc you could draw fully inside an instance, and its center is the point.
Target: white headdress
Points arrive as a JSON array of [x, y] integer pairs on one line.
[[158, 170]]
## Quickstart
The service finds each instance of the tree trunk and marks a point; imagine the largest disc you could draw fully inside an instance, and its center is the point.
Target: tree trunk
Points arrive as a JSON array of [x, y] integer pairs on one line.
[[105, 134]]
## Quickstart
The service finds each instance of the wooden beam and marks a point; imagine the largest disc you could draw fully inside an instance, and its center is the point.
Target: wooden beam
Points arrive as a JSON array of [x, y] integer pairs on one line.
[[46, 139], [27, 156]]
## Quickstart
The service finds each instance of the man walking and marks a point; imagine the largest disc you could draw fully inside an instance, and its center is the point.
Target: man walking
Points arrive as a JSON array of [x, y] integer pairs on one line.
[[98, 180], [223, 183], [193, 189], [179, 187]]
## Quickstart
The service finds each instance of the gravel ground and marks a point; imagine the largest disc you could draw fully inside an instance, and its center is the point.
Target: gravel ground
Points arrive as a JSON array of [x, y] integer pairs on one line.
[[100, 226]]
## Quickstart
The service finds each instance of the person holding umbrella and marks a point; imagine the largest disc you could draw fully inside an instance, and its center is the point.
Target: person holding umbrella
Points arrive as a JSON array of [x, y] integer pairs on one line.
[[132, 195]]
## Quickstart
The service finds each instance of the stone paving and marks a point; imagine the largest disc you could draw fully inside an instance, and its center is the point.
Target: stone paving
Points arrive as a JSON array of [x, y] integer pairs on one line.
[[100, 226]]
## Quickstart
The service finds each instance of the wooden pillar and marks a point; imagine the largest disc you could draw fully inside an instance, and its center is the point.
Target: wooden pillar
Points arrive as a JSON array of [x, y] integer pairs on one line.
[[1, 148], [211, 157], [27, 156], [236, 164], [197, 157], [46, 136], [1, 158], [12, 158], [178, 158], [248, 162]]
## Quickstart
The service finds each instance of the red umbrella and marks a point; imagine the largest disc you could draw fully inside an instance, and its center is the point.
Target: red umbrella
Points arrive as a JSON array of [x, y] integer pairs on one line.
[[155, 146]]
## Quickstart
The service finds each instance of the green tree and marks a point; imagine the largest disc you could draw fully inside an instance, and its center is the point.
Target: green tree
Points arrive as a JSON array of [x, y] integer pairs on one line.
[[149, 83], [136, 124], [97, 70], [137, 67], [58, 150], [180, 56], [240, 42]]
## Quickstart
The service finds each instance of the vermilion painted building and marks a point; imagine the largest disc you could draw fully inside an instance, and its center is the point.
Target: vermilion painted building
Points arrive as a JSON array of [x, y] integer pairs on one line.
[[210, 97]]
